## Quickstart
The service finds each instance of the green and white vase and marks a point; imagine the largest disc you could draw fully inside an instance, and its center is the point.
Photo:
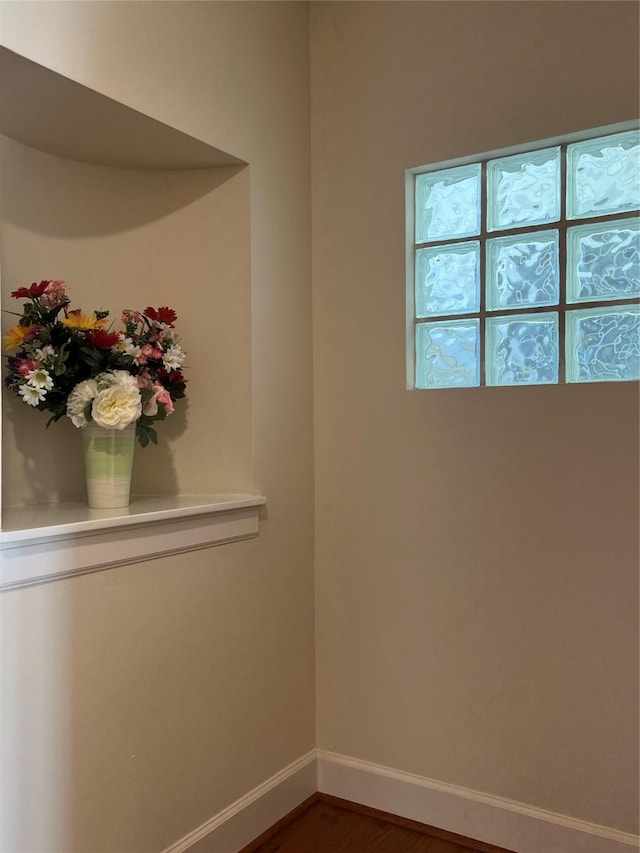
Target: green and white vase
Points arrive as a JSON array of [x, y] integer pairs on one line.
[[108, 458]]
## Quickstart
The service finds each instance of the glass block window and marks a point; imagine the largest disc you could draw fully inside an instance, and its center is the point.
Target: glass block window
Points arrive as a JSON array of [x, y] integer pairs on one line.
[[523, 189], [450, 354], [524, 266]]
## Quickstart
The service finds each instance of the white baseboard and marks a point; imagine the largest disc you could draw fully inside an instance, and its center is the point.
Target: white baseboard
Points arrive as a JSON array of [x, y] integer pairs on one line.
[[493, 820], [238, 824]]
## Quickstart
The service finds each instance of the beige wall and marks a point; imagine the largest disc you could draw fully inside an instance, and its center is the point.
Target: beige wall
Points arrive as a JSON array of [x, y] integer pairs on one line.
[[476, 553], [139, 702], [456, 638]]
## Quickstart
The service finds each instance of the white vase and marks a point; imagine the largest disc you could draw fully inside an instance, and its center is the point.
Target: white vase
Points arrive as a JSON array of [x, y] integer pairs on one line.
[[108, 458]]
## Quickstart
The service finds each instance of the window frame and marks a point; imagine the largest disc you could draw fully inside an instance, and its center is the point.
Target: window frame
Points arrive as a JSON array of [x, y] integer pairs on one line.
[[561, 225]]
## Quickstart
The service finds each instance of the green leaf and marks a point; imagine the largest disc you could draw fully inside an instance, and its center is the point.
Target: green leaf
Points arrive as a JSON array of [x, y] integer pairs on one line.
[[60, 364], [144, 432]]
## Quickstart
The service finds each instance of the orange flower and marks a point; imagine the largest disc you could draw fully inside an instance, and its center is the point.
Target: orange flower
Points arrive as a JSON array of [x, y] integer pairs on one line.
[[82, 322], [16, 336]]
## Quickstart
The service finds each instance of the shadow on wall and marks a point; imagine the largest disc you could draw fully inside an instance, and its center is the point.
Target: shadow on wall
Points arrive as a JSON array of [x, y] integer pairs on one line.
[[54, 197]]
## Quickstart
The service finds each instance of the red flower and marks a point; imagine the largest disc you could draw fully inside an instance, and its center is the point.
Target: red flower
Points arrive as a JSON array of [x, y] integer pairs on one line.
[[100, 339], [162, 315], [30, 292], [170, 376], [173, 381]]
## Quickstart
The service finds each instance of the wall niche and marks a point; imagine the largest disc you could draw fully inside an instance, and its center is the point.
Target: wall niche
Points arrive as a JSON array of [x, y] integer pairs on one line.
[[130, 213]]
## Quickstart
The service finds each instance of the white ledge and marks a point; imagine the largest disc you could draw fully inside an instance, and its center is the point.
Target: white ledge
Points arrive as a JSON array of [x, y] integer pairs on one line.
[[45, 543]]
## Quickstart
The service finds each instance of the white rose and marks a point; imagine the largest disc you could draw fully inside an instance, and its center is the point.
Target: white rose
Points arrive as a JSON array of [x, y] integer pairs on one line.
[[117, 407], [77, 401]]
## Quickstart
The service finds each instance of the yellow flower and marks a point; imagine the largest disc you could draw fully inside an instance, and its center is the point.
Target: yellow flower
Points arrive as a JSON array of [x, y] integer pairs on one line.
[[16, 336], [82, 322]]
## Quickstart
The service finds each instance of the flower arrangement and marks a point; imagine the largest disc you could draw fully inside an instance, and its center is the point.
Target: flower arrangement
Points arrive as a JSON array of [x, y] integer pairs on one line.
[[70, 363]]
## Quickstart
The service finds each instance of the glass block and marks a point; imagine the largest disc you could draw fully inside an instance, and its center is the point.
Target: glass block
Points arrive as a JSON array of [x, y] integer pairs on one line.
[[522, 349], [603, 344], [448, 204], [448, 354], [523, 270], [448, 279], [523, 189], [603, 261], [603, 175]]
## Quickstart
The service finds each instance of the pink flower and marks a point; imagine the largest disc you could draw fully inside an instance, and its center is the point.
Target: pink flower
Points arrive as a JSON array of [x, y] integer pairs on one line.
[[24, 366], [147, 352], [55, 294], [160, 395], [165, 398], [129, 316]]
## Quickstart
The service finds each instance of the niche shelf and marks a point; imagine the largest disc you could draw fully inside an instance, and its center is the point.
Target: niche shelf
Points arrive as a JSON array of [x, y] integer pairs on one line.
[[44, 543], [55, 117]]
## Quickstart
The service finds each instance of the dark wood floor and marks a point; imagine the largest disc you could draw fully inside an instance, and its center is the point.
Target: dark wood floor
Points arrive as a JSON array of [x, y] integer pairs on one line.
[[327, 826]]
